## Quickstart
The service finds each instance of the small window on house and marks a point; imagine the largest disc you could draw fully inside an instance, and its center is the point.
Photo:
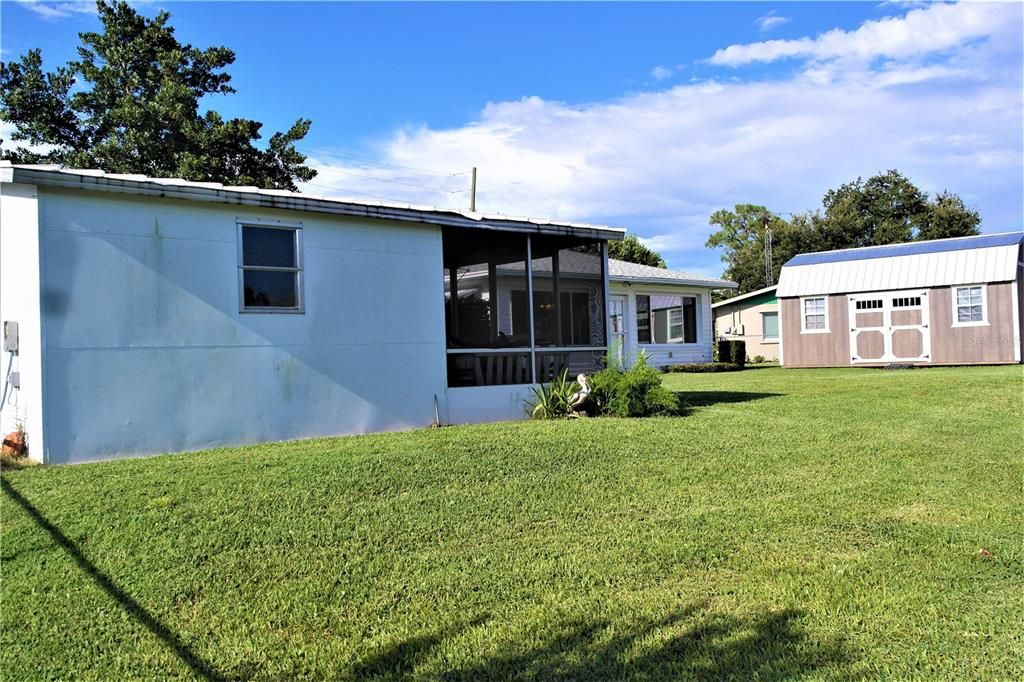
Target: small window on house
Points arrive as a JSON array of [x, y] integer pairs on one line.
[[814, 317], [970, 305], [907, 302], [270, 270], [663, 318], [770, 326], [869, 305]]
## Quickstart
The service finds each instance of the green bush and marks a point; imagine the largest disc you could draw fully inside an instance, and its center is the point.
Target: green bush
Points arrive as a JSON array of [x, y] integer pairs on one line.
[[732, 350], [705, 367], [636, 392], [758, 359], [552, 399]]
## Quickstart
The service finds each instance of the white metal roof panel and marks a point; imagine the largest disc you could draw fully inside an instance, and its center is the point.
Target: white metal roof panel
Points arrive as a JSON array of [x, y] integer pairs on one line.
[[922, 269], [98, 180]]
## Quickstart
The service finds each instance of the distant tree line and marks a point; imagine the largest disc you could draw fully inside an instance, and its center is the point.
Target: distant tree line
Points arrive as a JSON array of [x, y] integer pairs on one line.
[[885, 209]]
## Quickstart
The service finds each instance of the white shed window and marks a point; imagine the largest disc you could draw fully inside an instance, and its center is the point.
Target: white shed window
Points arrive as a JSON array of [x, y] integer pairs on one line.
[[270, 268], [815, 315], [969, 306]]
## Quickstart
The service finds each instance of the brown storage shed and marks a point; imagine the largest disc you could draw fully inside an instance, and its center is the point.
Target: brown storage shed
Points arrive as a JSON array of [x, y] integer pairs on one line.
[[941, 302]]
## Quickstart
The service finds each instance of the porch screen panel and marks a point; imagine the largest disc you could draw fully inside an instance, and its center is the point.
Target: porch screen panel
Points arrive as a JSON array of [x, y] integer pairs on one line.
[[488, 307], [581, 285], [482, 271]]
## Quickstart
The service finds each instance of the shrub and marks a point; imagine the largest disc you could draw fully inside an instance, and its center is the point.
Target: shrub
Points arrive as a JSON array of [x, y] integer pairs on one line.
[[758, 359], [552, 400], [636, 392], [732, 350], [704, 367]]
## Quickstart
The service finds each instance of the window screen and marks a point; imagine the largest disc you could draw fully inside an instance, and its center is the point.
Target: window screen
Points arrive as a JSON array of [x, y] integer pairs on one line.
[[271, 274]]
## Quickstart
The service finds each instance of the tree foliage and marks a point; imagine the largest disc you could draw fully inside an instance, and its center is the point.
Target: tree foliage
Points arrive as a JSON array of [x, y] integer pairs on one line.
[[631, 249], [130, 104], [884, 209]]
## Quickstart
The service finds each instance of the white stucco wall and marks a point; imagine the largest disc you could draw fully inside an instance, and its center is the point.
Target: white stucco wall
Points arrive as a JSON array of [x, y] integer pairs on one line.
[[147, 351], [482, 404], [20, 302], [663, 354]]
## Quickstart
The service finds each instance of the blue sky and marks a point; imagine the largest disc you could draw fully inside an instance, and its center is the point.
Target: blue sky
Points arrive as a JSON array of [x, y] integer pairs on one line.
[[646, 116]]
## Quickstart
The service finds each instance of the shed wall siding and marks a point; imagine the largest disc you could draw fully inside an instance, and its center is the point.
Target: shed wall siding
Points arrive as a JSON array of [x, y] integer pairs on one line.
[[991, 343], [148, 352], [816, 350]]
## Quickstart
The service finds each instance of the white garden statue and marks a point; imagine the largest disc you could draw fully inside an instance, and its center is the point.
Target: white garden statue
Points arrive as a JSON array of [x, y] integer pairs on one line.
[[580, 396]]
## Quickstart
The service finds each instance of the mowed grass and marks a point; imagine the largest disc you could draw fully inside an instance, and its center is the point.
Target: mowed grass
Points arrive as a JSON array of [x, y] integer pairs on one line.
[[793, 524]]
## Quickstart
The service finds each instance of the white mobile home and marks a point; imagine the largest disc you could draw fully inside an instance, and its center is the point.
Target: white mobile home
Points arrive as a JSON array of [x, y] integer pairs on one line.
[[158, 315]]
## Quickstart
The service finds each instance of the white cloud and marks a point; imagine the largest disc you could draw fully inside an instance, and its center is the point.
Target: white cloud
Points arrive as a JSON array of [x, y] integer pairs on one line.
[[7, 129], [661, 162], [771, 21], [921, 31], [660, 73], [59, 10]]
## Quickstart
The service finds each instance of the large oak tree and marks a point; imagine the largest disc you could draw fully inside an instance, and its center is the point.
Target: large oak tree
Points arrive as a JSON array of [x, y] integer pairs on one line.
[[130, 103]]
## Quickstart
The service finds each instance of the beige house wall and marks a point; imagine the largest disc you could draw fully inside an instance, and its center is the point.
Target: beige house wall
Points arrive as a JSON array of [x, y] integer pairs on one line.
[[749, 318]]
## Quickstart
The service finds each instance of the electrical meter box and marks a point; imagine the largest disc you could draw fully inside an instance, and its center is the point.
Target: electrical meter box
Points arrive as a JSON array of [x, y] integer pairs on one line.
[[10, 336]]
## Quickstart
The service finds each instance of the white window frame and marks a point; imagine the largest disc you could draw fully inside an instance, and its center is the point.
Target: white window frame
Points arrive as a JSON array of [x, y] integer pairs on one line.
[[681, 339], [775, 339], [803, 315], [294, 227], [668, 332], [955, 319]]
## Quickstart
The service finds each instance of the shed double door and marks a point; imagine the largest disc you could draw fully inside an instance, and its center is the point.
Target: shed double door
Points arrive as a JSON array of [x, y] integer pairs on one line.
[[889, 326]]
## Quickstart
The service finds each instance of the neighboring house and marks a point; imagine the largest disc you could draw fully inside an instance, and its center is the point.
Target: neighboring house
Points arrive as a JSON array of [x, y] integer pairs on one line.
[[944, 302], [159, 315], [753, 318], [664, 313]]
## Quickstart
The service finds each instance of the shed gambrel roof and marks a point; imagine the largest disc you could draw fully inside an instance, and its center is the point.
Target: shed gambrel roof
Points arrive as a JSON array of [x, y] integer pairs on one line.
[[940, 262]]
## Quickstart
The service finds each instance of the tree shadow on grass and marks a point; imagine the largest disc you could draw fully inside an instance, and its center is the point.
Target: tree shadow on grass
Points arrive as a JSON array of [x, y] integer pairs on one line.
[[693, 643], [170, 639], [688, 400]]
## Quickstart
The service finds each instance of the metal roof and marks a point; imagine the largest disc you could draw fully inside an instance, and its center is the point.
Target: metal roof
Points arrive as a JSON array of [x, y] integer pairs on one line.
[[623, 271], [943, 262], [571, 263], [982, 241], [215, 192], [743, 297]]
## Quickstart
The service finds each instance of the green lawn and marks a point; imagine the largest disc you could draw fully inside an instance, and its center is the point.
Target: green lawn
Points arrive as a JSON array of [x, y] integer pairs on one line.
[[793, 524]]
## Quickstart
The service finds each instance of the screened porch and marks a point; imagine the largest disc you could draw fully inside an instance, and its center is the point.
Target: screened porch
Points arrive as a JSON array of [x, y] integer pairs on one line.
[[520, 308]]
